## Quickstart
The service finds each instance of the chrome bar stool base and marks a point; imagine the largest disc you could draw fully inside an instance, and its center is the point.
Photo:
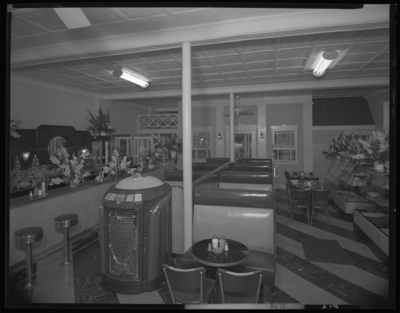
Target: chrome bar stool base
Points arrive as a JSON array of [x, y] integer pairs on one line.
[[28, 236], [65, 221]]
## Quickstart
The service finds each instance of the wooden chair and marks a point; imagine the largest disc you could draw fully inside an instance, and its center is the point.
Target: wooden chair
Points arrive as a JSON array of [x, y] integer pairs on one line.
[[189, 286], [300, 199], [239, 287], [320, 200]]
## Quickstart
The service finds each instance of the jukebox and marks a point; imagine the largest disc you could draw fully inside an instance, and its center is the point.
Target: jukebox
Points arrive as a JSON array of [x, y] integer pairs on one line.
[[135, 234]]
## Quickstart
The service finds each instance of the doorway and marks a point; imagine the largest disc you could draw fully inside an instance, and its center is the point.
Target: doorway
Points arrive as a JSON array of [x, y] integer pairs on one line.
[[245, 141]]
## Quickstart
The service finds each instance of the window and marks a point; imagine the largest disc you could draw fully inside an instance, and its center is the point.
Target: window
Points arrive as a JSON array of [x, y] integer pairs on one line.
[[201, 144], [284, 140]]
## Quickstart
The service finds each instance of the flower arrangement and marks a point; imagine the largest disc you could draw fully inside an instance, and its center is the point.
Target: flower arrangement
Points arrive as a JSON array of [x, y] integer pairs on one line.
[[170, 143], [149, 156], [70, 169], [100, 123], [344, 147], [123, 165], [375, 147], [353, 147], [14, 124]]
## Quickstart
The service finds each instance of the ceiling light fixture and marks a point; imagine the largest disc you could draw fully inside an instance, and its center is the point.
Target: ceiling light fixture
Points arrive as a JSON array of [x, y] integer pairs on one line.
[[326, 60], [128, 76]]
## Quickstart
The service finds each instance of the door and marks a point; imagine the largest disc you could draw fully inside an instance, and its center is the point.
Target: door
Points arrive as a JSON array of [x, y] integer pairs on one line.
[[245, 141]]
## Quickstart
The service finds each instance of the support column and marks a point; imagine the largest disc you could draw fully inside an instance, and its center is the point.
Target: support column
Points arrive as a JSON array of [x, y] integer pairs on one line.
[[179, 164], [187, 146], [262, 129], [232, 125], [308, 136], [219, 130]]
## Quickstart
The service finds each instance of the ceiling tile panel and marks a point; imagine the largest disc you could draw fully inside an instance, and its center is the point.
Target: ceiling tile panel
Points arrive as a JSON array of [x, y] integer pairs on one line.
[[217, 82], [236, 75], [295, 41], [339, 74], [110, 78], [73, 74], [169, 65], [100, 15], [378, 65], [76, 65], [292, 70], [383, 58], [90, 79], [366, 73], [232, 68], [286, 77], [238, 81], [262, 73], [100, 62], [200, 63], [142, 67], [139, 13], [260, 80], [205, 70], [154, 56], [357, 58], [290, 63], [94, 72], [221, 49], [174, 72], [341, 37], [227, 60], [257, 45], [260, 57], [348, 66], [293, 54], [212, 77], [46, 18], [22, 29], [369, 48], [51, 76], [261, 66], [155, 74]]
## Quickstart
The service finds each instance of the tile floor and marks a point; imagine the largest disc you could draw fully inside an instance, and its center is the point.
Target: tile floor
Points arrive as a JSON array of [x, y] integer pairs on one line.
[[364, 284]]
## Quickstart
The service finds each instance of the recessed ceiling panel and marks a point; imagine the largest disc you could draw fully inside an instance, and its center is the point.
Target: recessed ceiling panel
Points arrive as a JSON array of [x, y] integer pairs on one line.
[[200, 63], [369, 48], [261, 73], [221, 49], [261, 66], [232, 68], [341, 37], [357, 58], [257, 45], [169, 65], [260, 57], [227, 60], [293, 54], [205, 70], [22, 29], [45, 17], [290, 63]]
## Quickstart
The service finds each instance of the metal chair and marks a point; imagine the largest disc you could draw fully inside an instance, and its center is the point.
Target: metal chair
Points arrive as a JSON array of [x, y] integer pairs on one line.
[[239, 287], [65, 221], [189, 286], [320, 200], [28, 236], [300, 199]]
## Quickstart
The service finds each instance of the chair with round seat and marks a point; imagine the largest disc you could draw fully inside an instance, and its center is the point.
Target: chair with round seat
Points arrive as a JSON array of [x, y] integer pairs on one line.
[[65, 221], [28, 236]]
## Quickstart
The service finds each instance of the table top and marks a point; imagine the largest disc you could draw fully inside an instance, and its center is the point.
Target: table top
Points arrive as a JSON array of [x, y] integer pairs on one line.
[[304, 187], [237, 253]]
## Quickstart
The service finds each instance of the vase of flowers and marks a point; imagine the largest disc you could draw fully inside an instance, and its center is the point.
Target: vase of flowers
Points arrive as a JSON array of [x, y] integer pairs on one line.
[[376, 148], [169, 144], [100, 124], [69, 169], [344, 147], [118, 164], [149, 157]]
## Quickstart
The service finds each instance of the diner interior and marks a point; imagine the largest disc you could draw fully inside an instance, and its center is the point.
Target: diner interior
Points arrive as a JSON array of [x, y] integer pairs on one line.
[[229, 192]]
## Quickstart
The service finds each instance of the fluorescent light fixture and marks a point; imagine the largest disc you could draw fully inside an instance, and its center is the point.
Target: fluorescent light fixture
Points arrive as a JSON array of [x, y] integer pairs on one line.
[[72, 17], [136, 80], [326, 60]]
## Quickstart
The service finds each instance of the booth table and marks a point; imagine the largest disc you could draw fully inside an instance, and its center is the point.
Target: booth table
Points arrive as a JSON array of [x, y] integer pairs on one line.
[[236, 255]]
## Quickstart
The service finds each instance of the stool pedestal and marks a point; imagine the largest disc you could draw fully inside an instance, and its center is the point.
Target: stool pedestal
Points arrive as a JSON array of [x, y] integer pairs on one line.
[[65, 221], [28, 236]]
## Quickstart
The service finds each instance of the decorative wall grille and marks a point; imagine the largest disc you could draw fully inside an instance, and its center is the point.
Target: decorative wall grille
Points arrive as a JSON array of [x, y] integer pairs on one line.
[[163, 121]]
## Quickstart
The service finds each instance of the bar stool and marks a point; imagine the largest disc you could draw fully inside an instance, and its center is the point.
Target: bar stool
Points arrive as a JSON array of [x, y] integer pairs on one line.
[[65, 221], [28, 236]]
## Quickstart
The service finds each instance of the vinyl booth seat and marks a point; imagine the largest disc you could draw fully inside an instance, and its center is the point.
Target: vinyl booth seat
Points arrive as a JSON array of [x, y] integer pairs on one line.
[[243, 215], [246, 180]]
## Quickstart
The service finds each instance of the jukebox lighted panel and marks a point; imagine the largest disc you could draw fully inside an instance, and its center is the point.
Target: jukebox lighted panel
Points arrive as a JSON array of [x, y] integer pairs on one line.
[[135, 234]]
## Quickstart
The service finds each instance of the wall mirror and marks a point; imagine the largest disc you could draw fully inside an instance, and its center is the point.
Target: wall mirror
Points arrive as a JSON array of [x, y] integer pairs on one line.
[[55, 144]]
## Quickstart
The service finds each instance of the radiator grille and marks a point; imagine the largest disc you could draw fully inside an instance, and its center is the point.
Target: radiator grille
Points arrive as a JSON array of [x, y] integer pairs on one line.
[[123, 236]]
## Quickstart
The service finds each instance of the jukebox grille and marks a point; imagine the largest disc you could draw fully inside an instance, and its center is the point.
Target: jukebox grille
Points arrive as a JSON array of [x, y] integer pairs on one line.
[[123, 234]]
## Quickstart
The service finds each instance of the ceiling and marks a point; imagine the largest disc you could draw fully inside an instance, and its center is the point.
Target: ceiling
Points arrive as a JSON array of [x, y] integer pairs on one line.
[[229, 51]]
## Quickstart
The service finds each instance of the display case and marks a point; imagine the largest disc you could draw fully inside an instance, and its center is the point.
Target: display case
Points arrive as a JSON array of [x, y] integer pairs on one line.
[[372, 220], [345, 180]]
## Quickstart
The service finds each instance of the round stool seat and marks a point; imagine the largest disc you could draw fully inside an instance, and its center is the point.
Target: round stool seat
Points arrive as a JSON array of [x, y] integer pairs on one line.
[[66, 220], [28, 235]]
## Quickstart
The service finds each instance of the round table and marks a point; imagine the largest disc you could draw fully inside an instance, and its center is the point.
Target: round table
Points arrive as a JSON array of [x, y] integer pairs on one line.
[[237, 254]]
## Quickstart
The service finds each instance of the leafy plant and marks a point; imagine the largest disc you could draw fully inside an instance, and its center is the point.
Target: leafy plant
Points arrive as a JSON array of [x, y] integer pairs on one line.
[[100, 123]]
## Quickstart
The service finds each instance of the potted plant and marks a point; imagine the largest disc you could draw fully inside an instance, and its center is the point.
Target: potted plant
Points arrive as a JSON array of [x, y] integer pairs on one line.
[[168, 144], [123, 165], [100, 125], [376, 148], [149, 157]]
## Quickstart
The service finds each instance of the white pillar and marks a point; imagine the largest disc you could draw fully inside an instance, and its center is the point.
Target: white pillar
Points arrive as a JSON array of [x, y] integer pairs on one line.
[[308, 136], [187, 146], [262, 129], [219, 130], [232, 125], [179, 164]]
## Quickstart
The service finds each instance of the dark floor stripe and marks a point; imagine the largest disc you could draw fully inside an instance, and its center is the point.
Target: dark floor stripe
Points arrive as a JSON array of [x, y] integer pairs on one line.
[[357, 260], [331, 283]]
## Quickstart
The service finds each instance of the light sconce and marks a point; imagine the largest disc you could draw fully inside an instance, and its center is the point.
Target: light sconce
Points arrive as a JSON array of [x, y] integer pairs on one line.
[[261, 136], [326, 60], [25, 156], [127, 76], [84, 150], [219, 136]]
